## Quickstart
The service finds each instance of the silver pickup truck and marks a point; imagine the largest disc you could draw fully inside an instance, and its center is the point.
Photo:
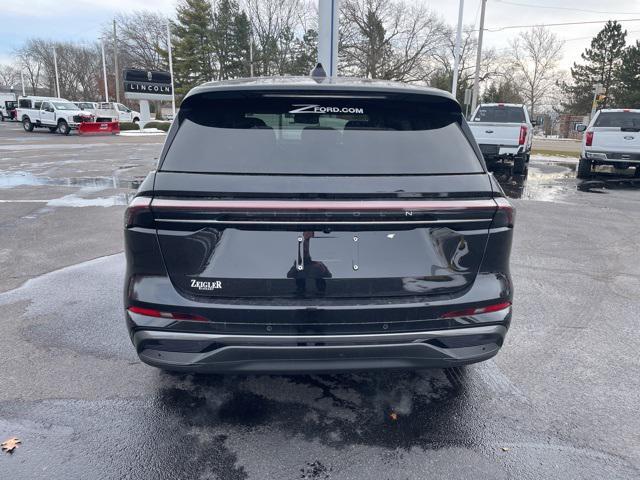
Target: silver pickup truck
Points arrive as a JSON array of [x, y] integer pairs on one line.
[[504, 133], [612, 138]]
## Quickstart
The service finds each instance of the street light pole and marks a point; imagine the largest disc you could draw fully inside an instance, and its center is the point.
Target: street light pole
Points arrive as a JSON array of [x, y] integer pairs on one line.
[[476, 80], [55, 66], [115, 60], [104, 72], [24, 94], [456, 51], [173, 93]]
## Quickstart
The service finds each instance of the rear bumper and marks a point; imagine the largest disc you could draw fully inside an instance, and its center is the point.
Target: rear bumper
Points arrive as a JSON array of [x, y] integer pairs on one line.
[[612, 157], [496, 152], [219, 353]]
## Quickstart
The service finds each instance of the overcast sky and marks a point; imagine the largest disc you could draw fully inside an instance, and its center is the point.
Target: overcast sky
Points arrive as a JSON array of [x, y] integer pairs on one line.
[[82, 19]]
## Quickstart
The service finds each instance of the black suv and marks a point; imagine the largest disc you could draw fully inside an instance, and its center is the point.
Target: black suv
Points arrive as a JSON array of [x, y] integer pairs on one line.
[[298, 225]]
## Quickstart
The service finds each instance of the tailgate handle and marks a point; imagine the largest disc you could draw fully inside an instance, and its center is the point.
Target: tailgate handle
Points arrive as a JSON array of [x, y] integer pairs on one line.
[[488, 131], [300, 254]]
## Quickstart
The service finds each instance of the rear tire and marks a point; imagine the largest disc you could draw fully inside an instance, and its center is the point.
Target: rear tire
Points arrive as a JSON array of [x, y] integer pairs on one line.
[[519, 165], [63, 128], [27, 125], [136, 120], [584, 168], [2, 117]]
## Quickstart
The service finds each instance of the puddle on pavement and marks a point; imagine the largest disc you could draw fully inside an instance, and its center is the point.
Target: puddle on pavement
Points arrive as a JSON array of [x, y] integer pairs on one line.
[[10, 180], [547, 182]]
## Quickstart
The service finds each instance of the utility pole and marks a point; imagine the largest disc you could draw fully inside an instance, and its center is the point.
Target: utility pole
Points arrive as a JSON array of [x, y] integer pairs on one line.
[[55, 66], [456, 51], [476, 80], [250, 51], [173, 93], [24, 94], [328, 18], [115, 61], [104, 72]]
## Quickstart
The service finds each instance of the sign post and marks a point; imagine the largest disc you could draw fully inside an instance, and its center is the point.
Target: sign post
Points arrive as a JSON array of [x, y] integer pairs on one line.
[[146, 85]]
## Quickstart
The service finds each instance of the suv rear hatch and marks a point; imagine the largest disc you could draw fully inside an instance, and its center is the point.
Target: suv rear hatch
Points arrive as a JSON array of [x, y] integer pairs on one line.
[[321, 194]]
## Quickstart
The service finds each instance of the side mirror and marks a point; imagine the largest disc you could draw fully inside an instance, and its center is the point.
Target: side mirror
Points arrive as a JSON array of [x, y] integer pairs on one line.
[[581, 127]]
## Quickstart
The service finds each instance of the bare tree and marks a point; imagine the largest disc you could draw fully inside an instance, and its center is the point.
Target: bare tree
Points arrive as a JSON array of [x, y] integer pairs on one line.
[[276, 24], [534, 57], [490, 65], [389, 39], [142, 40], [78, 68], [9, 75]]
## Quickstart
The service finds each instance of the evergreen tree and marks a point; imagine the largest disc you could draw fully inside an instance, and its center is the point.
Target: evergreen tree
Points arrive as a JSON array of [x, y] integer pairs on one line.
[[231, 32], [601, 61], [628, 75], [503, 91], [193, 51], [303, 54]]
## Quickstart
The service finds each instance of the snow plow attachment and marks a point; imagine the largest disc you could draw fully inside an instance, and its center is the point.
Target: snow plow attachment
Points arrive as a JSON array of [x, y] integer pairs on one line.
[[99, 128]]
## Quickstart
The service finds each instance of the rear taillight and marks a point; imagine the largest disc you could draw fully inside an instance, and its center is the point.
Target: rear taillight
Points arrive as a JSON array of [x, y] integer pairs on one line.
[[138, 213], [589, 139], [468, 312], [150, 312], [505, 215], [523, 135]]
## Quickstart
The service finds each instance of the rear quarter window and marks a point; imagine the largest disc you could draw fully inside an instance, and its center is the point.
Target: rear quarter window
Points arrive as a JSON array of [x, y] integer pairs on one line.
[[319, 136]]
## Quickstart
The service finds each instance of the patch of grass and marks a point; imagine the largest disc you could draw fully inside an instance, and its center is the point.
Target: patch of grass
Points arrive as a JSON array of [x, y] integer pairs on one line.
[[555, 153]]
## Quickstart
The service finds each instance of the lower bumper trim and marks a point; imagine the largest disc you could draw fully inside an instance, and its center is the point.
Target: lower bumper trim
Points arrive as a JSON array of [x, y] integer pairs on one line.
[[315, 354]]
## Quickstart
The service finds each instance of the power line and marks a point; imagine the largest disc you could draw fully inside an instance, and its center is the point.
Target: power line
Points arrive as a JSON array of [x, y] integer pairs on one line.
[[572, 9], [500, 29]]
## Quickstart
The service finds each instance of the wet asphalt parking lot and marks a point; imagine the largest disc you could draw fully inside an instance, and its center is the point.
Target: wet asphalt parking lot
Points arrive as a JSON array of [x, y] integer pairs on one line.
[[559, 401]]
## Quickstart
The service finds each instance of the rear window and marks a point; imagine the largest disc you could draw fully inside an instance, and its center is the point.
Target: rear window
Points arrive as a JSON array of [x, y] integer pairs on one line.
[[618, 119], [500, 114], [281, 134]]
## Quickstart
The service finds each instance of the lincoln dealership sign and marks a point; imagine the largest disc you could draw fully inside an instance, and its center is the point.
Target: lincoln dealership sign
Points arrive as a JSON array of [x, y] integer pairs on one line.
[[147, 85]]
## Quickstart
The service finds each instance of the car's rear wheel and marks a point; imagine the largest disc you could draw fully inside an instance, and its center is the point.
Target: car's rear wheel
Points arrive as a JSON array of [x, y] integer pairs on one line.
[[27, 125], [519, 165], [64, 128], [584, 168]]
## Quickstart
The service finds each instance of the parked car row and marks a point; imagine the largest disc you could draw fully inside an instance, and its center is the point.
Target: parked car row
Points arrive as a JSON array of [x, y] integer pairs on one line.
[[61, 115], [504, 133], [110, 111]]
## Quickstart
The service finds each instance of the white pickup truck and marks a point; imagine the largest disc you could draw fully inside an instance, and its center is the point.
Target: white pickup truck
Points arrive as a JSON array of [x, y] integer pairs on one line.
[[56, 114], [504, 132], [116, 112], [612, 138]]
